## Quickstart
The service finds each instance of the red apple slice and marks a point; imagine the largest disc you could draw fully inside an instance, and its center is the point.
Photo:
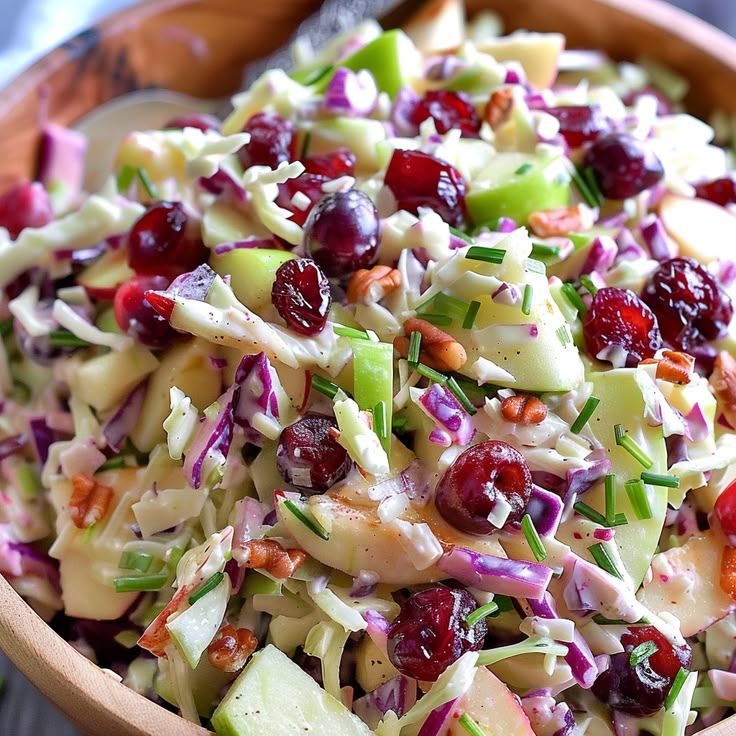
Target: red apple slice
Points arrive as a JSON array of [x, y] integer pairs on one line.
[[102, 279]]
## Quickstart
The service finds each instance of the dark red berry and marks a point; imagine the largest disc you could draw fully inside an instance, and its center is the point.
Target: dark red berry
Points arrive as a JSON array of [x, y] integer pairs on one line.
[[580, 124], [292, 195], [725, 509], [639, 688], [202, 121], [690, 306], [309, 457], [721, 191], [27, 205], [271, 140], [620, 328], [623, 165], [301, 295], [331, 165], [448, 110], [417, 179], [482, 477], [430, 632], [342, 232], [162, 238], [135, 315]]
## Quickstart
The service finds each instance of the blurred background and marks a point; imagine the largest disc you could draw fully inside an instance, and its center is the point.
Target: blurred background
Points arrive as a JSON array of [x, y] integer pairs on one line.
[[29, 29]]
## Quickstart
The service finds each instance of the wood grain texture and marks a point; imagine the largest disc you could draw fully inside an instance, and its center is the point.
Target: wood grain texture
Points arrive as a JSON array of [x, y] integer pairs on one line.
[[199, 47]]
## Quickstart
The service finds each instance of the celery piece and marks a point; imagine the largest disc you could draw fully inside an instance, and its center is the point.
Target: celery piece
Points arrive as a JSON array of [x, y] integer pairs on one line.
[[373, 372]]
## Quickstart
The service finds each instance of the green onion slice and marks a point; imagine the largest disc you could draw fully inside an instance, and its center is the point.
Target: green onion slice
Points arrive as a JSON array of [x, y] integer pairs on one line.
[[677, 684], [343, 331], [314, 526], [480, 613], [470, 315], [603, 560], [585, 414], [533, 538], [140, 561], [415, 346], [470, 725], [487, 255], [629, 444], [206, 587], [131, 583], [526, 303], [660, 479], [571, 294], [642, 652], [638, 497]]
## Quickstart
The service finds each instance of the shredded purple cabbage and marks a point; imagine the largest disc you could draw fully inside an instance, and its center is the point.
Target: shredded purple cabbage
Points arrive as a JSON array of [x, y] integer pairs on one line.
[[579, 480], [12, 445], [122, 422], [454, 422], [545, 509], [213, 440], [397, 695], [351, 93], [254, 394]]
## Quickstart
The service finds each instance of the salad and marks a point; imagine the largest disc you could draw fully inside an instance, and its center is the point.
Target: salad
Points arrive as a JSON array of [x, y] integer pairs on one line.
[[400, 401]]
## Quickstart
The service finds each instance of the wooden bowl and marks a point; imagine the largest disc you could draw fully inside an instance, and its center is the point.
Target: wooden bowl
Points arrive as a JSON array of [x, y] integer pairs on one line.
[[199, 47]]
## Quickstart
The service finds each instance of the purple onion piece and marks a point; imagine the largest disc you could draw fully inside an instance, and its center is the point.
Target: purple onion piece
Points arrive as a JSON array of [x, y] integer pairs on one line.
[[222, 183], [441, 404], [214, 437], [223, 248], [122, 422], [43, 437], [438, 719], [193, 285], [12, 445], [653, 234], [548, 481], [602, 253], [402, 110], [61, 161], [545, 509], [676, 449], [364, 584], [397, 695], [579, 480], [351, 93]]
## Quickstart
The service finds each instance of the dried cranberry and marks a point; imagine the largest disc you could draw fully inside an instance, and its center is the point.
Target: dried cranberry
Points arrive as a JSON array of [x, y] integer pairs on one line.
[[580, 124], [725, 509], [309, 457], [640, 688], [482, 477], [417, 179], [623, 165], [300, 194], [27, 205], [430, 632], [721, 191], [448, 110], [271, 140], [691, 307], [342, 232], [331, 165], [161, 240], [301, 295], [135, 315], [202, 121], [619, 322]]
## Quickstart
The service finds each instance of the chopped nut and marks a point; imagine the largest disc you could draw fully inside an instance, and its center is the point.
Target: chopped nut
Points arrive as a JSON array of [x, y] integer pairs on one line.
[[723, 383], [438, 349], [89, 501], [368, 286], [230, 650], [561, 221], [498, 108], [523, 409], [269, 555], [675, 367]]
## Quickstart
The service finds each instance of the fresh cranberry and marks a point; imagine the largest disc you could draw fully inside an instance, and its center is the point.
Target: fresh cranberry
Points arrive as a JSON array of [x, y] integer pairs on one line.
[[342, 232], [691, 307], [618, 321], [417, 179], [448, 110], [623, 165], [161, 238], [202, 121], [664, 106], [480, 478], [309, 457], [27, 205], [271, 140], [305, 185], [430, 632], [725, 509], [135, 315], [580, 124], [640, 689], [721, 191], [301, 295], [331, 165]]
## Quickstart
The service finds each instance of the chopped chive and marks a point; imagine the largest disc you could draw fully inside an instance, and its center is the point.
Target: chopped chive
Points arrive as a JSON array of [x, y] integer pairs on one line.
[[585, 414], [590, 513], [542, 250], [523, 169], [533, 538], [563, 335], [592, 182], [637, 493], [488, 255], [660, 479], [642, 652], [677, 684], [399, 423], [610, 496], [439, 320], [114, 463], [131, 583], [465, 720], [623, 440], [89, 532], [454, 307], [415, 346], [470, 315], [460, 395], [535, 266], [460, 234], [504, 603], [587, 283], [380, 422], [324, 386], [64, 339], [140, 561], [206, 587], [432, 374], [604, 561], [603, 621], [571, 294], [6, 326], [125, 178], [311, 524], [526, 302], [305, 145], [584, 189], [480, 613], [343, 331], [312, 76], [147, 183]]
